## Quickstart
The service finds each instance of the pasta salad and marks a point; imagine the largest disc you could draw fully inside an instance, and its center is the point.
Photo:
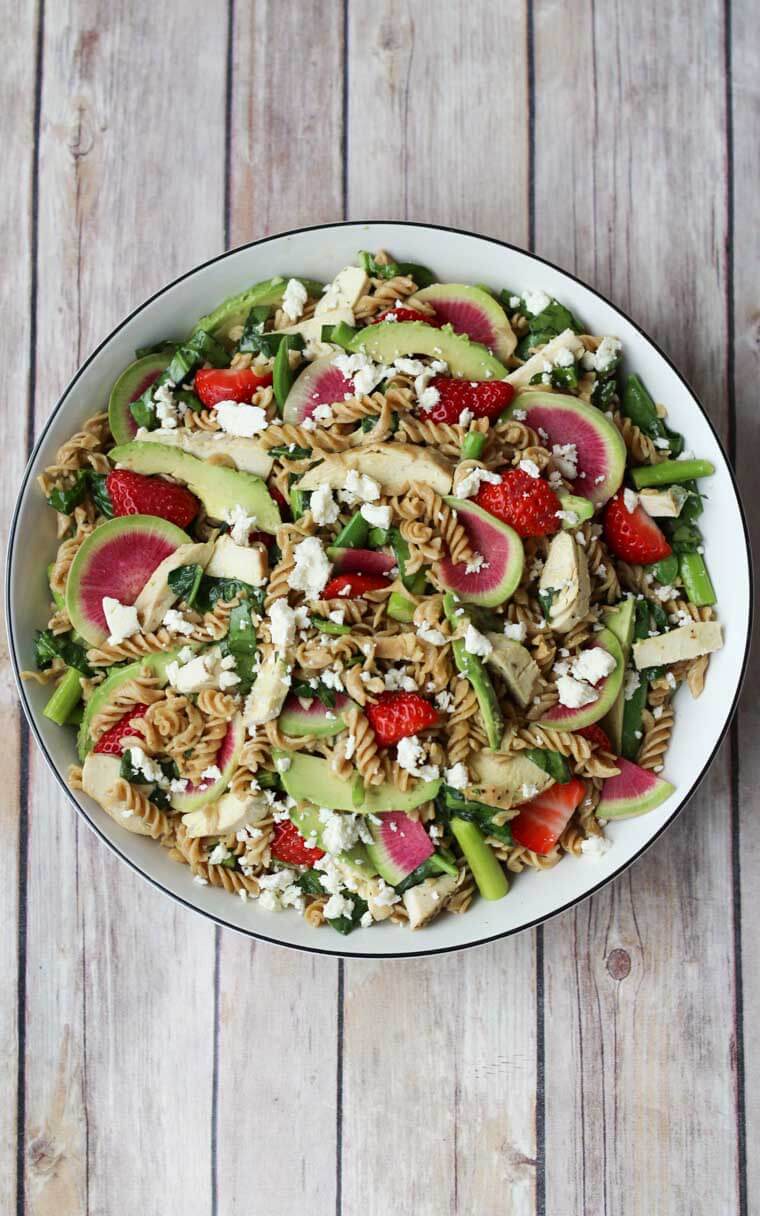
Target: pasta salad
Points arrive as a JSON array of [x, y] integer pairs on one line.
[[371, 595]]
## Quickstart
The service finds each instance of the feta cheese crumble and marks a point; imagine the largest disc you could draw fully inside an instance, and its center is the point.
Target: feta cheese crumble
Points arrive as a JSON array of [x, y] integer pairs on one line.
[[121, 620], [376, 517], [323, 506], [294, 299], [241, 524], [457, 776], [469, 485], [595, 847], [536, 302], [410, 753], [477, 643], [311, 570], [530, 467], [358, 487], [282, 624], [515, 632], [239, 419]]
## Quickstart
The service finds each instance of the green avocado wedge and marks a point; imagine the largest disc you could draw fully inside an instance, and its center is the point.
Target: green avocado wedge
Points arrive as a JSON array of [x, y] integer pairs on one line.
[[234, 310], [309, 779], [391, 340], [105, 692], [218, 487]]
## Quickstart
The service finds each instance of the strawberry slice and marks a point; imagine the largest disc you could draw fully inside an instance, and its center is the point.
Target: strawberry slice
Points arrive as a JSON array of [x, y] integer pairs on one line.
[[109, 742], [527, 503], [483, 398], [595, 734], [406, 314], [214, 384], [542, 821], [289, 846], [633, 536], [349, 586], [135, 494], [396, 715]]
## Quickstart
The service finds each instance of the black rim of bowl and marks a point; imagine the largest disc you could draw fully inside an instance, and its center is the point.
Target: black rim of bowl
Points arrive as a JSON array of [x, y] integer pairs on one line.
[[252, 933]]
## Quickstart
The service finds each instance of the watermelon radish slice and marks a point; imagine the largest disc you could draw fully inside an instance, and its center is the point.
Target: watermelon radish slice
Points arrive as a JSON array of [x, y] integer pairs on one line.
[[226, 760], [321, 383], [117, 560], [634, 791], [471, 311], [308, 716], [561, 717], [360, 561], [503, 554], [599, 445], [400, 845], [131, 384]]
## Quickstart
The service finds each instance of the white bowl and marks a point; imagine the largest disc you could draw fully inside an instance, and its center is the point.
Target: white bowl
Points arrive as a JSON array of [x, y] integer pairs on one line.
[[456, 257]]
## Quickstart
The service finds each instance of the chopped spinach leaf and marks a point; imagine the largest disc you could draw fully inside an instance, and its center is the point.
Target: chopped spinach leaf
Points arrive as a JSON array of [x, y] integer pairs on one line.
[[185, 582], [49, 646]]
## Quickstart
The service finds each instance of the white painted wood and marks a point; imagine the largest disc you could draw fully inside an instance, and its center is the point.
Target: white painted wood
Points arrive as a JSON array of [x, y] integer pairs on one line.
[[286, 154], [17, 106], [440, 1054], [746, 246], [640, 981], [278, 1014], [120, 993]]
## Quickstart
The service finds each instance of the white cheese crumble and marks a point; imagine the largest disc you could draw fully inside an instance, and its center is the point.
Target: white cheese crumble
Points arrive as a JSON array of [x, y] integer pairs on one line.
[[294, 299], [167, 409], [606, 353], [361, 371], [121, 620], [476, 643], [457, 776], [632, 682], [175, 622], [595, 847], [530, 467], [516, 632], [396, 679], [593, 665], [323, 506], [427, 633], [243, 420], [469, 485], [429, 398], [358, 487], [376, 517], [240, 523], [566, 459], [443, 701], [536, 302], [282, 624], [410, 753], [574, 693], [312, 568], [409, 367]]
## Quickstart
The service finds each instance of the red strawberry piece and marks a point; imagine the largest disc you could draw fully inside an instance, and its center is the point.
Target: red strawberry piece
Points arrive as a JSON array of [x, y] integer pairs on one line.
[[527, 503], [633, 536], [483, 398], [109, 742], [542, 821], [215, 384], [406, 314], [349, 586], [595, 734], [396, 715], [134, 494], [289, 846], [262, 538]]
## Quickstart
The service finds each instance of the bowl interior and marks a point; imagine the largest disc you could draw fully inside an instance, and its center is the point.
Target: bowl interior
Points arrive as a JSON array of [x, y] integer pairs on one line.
[[455, 257]]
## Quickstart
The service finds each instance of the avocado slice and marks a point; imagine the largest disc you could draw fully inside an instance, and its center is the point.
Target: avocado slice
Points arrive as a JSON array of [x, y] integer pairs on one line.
[[391, 340], [309, 778], [234, 310], [356, 859], [620, 621], [502, 777], [583, 508], [218, 487], [156, 663]]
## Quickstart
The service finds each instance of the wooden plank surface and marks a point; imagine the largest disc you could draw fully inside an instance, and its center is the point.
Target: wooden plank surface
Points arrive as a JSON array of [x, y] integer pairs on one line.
[[120, 1003], [17, 102], [604, 1064], [744, 343], [624, 980]]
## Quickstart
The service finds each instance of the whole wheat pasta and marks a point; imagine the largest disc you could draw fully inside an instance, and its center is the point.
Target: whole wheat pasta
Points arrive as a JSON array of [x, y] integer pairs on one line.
[[656, 738], [641, 448], [366, 752], [421, 501], [216, 704], [155, 822], [463, 710], [143, 690]]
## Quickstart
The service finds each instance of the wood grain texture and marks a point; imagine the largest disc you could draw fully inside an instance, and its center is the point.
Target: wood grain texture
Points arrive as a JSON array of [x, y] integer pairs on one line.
[[120, 1007], [277, 1034], [286, 150], [630, 1022], [439, 1055], [745, 114], [17, 103]]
